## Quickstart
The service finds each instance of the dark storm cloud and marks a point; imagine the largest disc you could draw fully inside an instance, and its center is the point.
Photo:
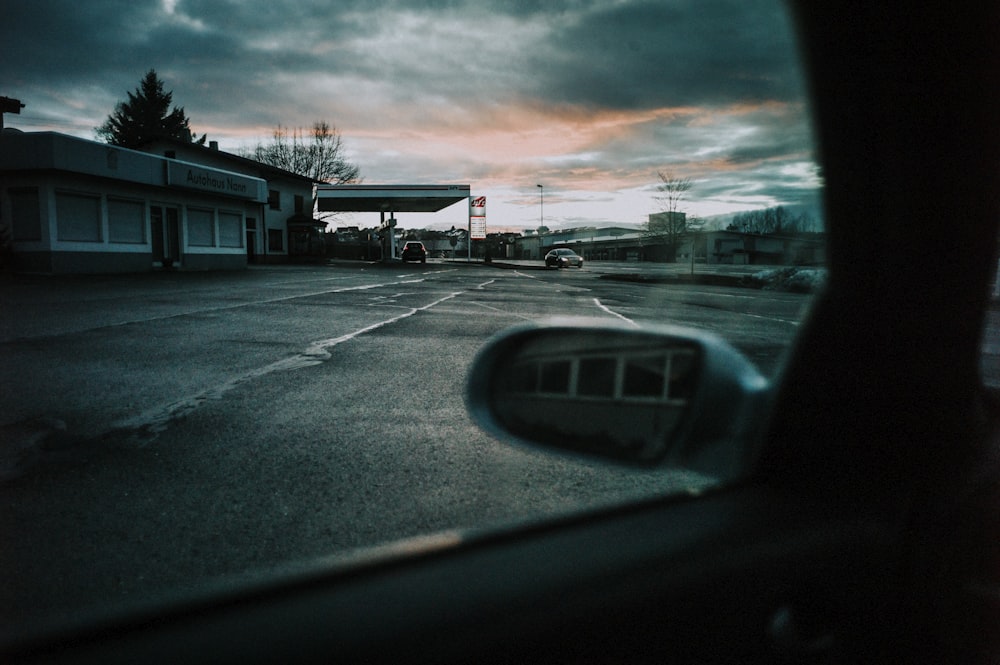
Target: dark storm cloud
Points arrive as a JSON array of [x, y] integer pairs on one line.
[[590, 93], [669, 54], [58, 40], [214, 56], [594, 54]]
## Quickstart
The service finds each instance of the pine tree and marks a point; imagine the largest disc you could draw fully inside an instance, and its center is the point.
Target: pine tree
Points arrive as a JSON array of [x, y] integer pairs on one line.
[[146, 117]]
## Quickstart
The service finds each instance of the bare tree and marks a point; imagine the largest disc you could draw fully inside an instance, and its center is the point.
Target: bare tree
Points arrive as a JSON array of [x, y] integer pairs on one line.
[[804, 223], [671, 224], [771, 220], [672, 190], [318, 155]]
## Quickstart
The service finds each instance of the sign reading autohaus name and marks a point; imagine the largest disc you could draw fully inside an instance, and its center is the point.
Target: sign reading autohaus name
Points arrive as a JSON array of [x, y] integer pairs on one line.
[[225, 184], [192, 176]]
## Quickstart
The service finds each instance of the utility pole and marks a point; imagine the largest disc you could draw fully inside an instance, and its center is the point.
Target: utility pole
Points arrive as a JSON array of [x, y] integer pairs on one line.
[[541, 206], [8, 105]]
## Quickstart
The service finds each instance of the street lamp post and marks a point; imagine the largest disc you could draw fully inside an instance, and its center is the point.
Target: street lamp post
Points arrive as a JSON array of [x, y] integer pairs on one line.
[[541, 206]]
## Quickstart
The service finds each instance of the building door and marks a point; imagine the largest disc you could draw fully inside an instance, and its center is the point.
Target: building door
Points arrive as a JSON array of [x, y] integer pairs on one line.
[[251, 240], [165, 233]]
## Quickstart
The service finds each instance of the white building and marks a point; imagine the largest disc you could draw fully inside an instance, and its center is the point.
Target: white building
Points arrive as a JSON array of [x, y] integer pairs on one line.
[[285, 228], [68, 205]]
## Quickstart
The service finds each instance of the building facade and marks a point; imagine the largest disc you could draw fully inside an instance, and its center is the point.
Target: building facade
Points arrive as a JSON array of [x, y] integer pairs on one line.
[[285, 229], [709, 247], [69, 205]]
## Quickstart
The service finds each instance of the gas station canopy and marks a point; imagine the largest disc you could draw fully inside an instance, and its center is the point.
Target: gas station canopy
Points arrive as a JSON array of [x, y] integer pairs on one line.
[[388, 198]]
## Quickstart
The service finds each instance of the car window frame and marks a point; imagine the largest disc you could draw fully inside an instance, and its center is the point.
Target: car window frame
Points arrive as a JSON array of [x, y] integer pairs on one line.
[[685, 574]]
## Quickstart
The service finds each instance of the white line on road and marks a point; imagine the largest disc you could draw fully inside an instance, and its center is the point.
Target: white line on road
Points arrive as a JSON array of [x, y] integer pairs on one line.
[[154, 421], [734, 296], [503, 311], [610, 311], [317, 351], [307, 281], [190, 311], [769, 318]]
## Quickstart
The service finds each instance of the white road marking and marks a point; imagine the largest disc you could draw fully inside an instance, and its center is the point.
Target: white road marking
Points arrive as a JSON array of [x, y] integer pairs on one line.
[[156, 420], [769, 318], [503, 311], [265, 301], [610, 311]]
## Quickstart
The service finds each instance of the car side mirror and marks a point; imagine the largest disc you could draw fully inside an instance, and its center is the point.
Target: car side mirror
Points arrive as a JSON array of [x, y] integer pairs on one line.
[[644, 395]]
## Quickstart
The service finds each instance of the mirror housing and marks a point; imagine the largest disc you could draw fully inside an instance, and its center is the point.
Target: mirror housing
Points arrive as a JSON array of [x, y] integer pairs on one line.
[[644, 395]]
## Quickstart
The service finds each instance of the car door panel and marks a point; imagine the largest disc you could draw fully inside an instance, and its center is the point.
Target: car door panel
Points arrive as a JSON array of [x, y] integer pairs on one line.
[[743, 574]]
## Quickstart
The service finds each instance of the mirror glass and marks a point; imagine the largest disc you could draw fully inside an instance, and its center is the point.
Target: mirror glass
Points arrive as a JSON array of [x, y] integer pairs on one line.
[[612, 393]]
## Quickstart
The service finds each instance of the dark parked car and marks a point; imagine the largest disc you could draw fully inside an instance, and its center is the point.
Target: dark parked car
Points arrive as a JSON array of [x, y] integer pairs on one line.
[[414, 251], [563, 258]]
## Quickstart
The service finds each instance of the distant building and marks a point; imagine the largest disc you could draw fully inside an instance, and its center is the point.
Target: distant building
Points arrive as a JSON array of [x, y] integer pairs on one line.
[[535, 246], [528, 247], [736, 248], [447, 244], [711, 247], [672, 222]]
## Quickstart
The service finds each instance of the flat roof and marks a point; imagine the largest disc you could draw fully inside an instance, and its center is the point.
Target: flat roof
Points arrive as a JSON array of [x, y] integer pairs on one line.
[[389, 198], [21, 152]]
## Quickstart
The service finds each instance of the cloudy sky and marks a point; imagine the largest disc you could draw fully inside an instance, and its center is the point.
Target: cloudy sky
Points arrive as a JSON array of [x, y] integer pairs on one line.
[[589, 98]]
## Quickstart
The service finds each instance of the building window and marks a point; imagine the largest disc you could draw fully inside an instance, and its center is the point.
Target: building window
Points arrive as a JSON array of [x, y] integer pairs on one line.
[[78, 217], [201, 228], [126, 221], [274, 240], [274, 199], [26, 217], [230, 229], [300, 203]]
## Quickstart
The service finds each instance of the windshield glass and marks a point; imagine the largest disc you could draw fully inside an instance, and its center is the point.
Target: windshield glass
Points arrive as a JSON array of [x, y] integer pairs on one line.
[[205, 376]]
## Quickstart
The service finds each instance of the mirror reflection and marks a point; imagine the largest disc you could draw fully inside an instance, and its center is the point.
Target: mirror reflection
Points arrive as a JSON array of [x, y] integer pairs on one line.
[[618, 394]]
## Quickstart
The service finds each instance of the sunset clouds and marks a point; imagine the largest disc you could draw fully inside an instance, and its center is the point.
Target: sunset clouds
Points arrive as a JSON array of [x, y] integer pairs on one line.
[[588, 97]]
